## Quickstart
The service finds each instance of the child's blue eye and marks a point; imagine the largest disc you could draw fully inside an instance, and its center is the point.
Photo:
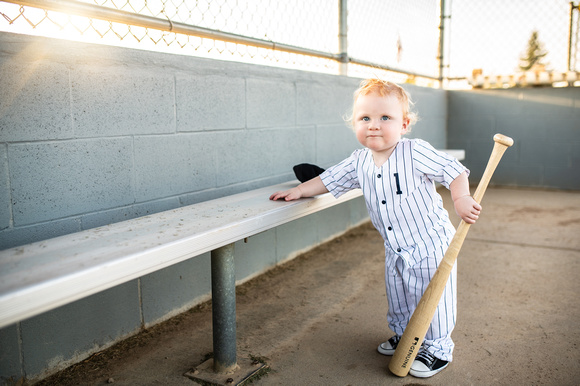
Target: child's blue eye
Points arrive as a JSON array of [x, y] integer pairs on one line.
[[384, 118], [366, 119]]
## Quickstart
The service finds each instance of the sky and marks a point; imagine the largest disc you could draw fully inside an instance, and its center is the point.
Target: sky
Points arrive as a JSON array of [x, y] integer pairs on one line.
[[499, 35]]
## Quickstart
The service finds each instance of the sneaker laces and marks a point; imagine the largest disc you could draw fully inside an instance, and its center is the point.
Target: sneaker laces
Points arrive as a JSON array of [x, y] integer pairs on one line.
[[395, 340], [424, 354]]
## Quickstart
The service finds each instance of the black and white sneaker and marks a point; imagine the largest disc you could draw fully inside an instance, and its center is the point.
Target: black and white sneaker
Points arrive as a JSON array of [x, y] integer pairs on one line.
[[389, 347], [426, 365]]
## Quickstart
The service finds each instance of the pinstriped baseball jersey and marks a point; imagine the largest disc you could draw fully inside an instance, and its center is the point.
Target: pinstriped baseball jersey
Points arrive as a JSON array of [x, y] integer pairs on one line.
[[408, 212], [401, 197]]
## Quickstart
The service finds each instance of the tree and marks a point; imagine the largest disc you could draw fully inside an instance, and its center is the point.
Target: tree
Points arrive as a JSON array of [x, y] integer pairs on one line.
[[534, 54]]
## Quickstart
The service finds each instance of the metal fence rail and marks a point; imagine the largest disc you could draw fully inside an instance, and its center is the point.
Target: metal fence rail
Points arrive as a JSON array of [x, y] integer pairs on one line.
[[573, 51], [432, 43]]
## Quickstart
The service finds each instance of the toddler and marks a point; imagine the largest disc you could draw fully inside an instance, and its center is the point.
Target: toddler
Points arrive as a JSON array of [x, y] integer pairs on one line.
[[397, 177]]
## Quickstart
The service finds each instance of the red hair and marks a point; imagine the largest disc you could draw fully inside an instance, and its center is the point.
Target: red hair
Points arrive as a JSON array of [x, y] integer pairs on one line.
[[384, 88]]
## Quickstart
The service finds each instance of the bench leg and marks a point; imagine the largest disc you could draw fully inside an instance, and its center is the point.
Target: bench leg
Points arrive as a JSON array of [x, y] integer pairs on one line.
[[223, 287], [224, 368]]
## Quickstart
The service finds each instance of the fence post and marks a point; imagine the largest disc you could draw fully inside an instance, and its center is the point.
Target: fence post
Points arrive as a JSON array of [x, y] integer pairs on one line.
[[343, 36], [442, 43], [573, 7]]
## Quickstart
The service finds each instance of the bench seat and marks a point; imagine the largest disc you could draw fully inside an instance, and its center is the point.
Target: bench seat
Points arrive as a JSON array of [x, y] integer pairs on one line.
[[41, 276]]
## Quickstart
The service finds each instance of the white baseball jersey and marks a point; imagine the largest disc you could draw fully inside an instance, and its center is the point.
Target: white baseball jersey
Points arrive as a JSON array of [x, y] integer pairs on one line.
[[408, 212]]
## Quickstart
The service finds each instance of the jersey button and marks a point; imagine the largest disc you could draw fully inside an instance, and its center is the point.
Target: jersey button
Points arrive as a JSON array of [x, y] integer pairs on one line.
[[398, 249], [390, 228], [383, 202], [379, 175]]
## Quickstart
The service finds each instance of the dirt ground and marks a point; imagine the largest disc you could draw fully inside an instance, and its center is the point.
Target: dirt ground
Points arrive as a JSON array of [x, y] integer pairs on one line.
[[318, 319]]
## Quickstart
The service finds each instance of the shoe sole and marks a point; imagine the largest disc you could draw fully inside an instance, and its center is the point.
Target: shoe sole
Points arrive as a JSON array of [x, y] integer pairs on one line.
[[386, 352], [426, 374]]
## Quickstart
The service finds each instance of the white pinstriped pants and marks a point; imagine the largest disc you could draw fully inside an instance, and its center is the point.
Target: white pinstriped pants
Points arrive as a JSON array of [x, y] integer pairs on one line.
[[405, 286]]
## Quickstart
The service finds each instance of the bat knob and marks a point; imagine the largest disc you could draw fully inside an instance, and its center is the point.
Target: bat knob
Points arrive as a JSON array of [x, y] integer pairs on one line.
[[503, 139]]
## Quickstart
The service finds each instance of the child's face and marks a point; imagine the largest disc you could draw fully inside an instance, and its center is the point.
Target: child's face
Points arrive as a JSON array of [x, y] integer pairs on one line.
[[378, 122]]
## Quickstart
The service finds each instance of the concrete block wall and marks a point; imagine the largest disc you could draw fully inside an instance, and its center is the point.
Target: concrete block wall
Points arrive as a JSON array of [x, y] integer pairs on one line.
[[91, 135], [94, 134], [544, 123]]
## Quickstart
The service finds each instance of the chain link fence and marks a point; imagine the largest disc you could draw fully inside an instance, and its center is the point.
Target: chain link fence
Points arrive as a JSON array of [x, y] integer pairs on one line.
[[300, 23], [490, 41], [482, 43]]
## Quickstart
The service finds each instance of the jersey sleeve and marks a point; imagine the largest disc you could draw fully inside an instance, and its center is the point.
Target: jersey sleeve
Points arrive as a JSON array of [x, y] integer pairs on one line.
[[436, 165], [342, 177]]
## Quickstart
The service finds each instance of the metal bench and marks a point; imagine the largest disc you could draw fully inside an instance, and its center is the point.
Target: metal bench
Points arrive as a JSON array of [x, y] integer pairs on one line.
[[41, 276]]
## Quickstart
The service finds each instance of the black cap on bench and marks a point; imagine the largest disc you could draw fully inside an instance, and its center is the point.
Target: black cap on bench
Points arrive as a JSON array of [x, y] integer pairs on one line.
[[305, 172]]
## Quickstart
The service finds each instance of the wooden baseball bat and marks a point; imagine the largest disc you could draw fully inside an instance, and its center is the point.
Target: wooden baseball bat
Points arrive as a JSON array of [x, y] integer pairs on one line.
[[423, 315]]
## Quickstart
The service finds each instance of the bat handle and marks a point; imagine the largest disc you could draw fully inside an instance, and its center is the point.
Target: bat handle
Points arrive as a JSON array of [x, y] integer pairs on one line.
[[501, 143], [503, 139]]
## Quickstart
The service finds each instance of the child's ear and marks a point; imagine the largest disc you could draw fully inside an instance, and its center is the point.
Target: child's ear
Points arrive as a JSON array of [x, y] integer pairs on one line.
[[405, 127]]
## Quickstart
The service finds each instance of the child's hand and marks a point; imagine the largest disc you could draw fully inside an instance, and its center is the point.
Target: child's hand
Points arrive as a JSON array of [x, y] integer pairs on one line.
[[287, 195], [467, 209], [309, 188]]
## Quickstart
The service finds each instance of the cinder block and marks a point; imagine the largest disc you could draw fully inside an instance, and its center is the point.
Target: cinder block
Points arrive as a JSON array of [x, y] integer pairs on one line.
[[121, 102], [562, 177], [166, 292], [576, 114], [358, 211], [333, 221], [432, 129], [533, 127], [322, 103], [270, 103], [71, 332], [465, 129], [255, 256], [10, 366], [334, 143], [521, 175], [93, 220], [58, 179], [463, 103], [568, 130], [35, 102], [485, 103], [534, 153], [546, 102], [429, 103], [176, 164], [291, 146], [476, 156], [244, 156], [210, 103], [228, 190], [13, 237], [296, 236], [508, 103]]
